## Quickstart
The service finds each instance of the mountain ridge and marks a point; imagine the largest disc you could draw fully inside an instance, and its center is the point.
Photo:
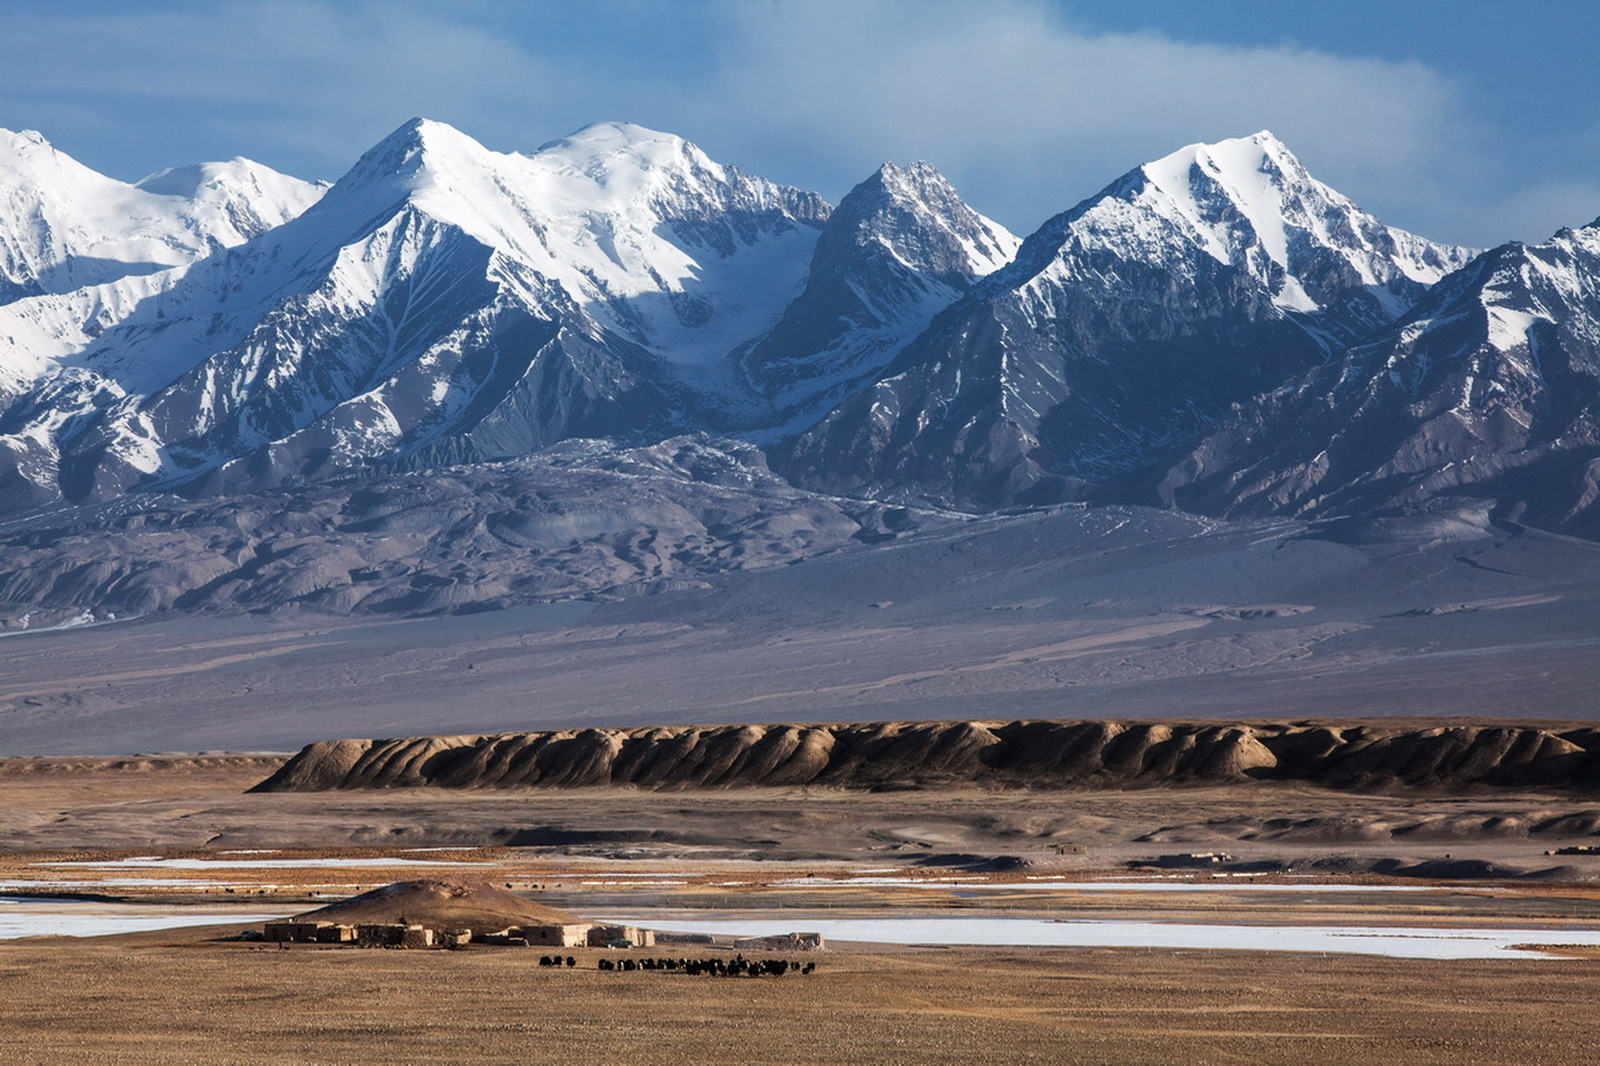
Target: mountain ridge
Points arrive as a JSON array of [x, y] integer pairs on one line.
[[1041, 754], [1215, 331]]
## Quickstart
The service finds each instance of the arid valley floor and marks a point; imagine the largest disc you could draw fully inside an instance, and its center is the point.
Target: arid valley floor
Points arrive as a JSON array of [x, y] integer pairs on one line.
[[184, 831], [1071, 614]]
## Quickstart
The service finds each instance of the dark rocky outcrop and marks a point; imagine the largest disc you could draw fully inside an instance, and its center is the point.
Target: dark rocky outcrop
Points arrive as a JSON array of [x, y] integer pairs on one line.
[[1018, 754]]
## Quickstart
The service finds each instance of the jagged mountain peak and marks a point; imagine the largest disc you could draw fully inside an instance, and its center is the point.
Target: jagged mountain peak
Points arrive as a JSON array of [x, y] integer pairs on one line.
[[405, 158], [907, 180], [18, 146], [30, 164], [915, 213], [442, 299], [1259, 178], [1235, 155], [1121, 328], [11, 137], [899, 248]]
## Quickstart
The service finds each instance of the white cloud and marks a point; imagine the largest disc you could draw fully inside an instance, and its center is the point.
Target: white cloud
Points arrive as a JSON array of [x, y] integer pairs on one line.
[[1026, 111], [1029, 113]]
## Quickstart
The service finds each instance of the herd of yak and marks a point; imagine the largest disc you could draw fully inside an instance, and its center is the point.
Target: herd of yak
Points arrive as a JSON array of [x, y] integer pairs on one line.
[[738, 966]]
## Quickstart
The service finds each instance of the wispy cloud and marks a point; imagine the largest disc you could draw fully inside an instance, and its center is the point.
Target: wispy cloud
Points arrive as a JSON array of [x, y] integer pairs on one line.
[[1010, 98], [1027, 111]]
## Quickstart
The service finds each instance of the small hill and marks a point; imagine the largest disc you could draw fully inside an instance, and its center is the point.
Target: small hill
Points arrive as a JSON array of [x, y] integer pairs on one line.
[[441, 904]]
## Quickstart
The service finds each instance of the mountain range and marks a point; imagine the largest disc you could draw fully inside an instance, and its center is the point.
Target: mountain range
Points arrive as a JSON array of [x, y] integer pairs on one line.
[[1216, 332]]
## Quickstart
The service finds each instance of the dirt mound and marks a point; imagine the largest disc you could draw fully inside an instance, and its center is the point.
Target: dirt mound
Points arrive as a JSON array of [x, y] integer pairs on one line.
[[441, 904], [1025, 754]]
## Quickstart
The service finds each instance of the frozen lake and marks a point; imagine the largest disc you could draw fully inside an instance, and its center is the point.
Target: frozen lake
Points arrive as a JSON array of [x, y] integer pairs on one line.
[[1397, 942], [156, 862], [52, 917], [977, 885]]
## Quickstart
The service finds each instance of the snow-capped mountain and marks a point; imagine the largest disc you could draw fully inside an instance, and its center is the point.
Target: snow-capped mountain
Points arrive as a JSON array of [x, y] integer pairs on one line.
[[64, 226], [899, 248], [1487, 393], [1122, 328], [441, 299], [1216, 331]]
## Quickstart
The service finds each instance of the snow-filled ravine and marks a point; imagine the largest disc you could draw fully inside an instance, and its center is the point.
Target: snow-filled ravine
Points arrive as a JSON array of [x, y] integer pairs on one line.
[[1403, 942]]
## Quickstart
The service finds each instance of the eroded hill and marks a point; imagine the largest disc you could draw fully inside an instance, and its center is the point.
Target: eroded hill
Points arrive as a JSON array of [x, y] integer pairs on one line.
[[1026, 754]]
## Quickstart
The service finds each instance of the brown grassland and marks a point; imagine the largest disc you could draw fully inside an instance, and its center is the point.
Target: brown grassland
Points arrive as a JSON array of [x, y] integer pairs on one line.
[[178, 998]]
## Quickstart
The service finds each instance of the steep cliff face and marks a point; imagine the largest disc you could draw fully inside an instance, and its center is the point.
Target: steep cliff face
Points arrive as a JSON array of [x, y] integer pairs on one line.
[[1018, 754]]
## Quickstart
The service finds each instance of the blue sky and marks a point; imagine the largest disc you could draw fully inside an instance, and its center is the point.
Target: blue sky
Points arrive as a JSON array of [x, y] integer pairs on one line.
[[1464, 120]]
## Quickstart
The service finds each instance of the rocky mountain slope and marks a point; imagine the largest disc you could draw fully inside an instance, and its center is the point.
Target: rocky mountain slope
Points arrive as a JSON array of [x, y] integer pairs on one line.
[[1036, 754], [1487, 392]]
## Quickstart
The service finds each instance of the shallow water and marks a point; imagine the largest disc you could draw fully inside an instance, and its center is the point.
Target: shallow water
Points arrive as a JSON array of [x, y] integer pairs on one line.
[[1396, 942]]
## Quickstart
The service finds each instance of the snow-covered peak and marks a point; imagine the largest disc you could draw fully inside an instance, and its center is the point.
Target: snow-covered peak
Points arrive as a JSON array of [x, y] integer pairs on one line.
[[1248, 203], [604, 167], [607, 151], [899, 248], [396, 162], [643, 230], [40, 185], [25, 155], [236, 200], [1256, 174], [64, 226]]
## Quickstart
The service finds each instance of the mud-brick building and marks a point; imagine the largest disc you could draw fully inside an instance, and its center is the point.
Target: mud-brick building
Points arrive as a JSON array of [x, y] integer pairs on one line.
[[621, 936], [573, 935]]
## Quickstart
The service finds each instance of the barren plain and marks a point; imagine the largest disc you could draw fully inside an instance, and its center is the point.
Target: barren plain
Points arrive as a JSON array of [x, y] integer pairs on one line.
[[182, 830], [1071, 613]]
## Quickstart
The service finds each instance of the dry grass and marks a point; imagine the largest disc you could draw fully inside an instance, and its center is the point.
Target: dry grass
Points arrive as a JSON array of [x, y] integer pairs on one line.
[[171, 998]]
